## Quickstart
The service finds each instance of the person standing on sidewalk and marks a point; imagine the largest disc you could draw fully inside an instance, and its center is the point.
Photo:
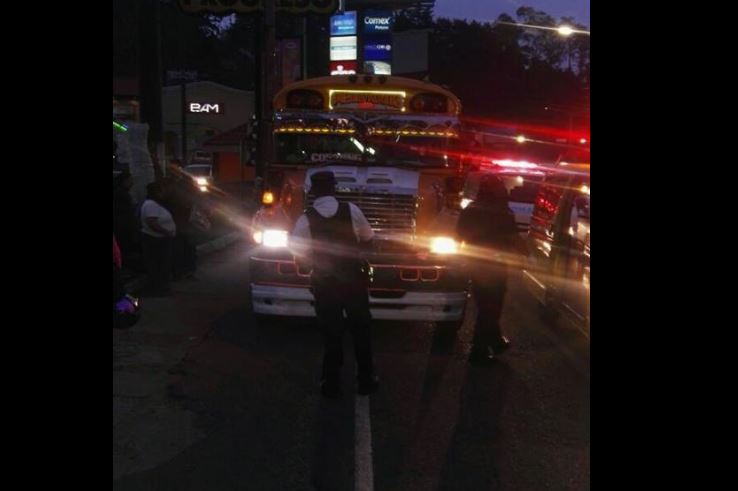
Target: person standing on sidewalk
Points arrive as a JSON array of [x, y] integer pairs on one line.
[[180, 202], [330, 236], [157, 230]]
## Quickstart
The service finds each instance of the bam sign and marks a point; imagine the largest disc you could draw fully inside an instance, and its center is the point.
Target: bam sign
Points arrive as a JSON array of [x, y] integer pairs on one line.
[[249, 6], [196, 107]]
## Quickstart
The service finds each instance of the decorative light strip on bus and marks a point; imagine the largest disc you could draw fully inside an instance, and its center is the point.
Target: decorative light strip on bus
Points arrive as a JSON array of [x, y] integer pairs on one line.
[[413, 133], [290, 129], [351, 131]]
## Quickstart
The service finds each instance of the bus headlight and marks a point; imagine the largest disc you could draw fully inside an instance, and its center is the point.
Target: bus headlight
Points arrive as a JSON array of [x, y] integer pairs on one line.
[[271, 238], [444, 245]]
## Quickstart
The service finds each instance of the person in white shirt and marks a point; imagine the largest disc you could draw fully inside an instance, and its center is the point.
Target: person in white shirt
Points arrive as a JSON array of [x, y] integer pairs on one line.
[[330, 235], [157, 231]]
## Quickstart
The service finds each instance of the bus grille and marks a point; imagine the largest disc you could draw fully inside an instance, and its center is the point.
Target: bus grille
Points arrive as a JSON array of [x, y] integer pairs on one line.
[[388, 214]]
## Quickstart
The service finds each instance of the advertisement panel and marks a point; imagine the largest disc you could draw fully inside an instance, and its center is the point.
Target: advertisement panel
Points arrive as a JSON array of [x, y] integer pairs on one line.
[[377, 68], [343, 24], [343, 48], [378, 48], [377, 21], [343, 67]]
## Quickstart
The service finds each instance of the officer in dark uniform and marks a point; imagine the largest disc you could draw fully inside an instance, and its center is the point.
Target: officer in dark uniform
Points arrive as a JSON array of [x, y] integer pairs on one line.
[[487, 227], [330, 237]]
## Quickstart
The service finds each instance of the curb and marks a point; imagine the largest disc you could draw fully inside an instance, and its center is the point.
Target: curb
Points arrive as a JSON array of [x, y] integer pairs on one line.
[[203, 249]]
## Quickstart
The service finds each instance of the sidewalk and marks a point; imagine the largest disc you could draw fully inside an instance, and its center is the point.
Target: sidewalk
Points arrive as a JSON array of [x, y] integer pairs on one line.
[[151, 423], [135, 282]]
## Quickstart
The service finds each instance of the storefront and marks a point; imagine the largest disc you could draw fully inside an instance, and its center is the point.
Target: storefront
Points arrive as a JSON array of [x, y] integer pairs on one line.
[[209, 110]]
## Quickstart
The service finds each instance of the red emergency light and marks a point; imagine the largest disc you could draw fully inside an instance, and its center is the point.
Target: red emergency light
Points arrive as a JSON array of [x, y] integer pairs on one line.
[[516, 164]]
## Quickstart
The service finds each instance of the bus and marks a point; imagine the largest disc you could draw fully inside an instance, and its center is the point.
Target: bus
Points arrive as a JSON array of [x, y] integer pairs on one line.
[[391, 143]]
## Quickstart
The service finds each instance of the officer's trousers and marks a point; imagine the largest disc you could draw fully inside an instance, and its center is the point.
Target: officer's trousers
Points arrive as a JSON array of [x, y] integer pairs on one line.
[[332, 299]]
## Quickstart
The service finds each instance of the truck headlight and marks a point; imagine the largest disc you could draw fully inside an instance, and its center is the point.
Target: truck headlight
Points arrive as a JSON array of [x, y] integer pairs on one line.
[[465, 202], [444, 245], [271, 238], [201, 181]]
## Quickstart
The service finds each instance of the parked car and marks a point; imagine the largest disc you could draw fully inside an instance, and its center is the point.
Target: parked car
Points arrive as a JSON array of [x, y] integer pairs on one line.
[[558, 265]]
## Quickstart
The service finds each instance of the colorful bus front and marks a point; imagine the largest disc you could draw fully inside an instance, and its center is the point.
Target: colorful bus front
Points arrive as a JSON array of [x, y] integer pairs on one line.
[[391, 144]]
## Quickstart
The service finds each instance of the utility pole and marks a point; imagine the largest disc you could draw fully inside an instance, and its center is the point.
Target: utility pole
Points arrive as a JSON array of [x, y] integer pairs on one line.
[[265, 95], [150, 72]]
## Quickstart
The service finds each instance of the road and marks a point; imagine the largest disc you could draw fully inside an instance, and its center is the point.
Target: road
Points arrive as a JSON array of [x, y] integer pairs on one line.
[[206, 398]]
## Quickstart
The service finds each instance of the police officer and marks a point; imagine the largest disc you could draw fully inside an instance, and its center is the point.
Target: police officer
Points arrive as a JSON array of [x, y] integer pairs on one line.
[[487, 226], [329, 237]]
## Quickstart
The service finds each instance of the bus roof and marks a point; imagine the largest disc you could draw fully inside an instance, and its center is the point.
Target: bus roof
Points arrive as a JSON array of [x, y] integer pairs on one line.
[[363, 83]]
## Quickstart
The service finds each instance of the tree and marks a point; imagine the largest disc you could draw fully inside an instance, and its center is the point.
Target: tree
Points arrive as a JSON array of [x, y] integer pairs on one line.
[[419, 16]]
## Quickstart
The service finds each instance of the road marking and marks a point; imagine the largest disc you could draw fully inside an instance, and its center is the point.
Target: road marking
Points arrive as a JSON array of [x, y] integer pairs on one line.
[[363, 465]]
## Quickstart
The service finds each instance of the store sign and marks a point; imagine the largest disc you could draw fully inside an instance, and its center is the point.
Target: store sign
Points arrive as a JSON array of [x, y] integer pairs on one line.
[[249, 6], [343, 48], [378, 49], [367, 99], [343, 67], [343, 24], [377, 68], [377, 22], [198, 108]]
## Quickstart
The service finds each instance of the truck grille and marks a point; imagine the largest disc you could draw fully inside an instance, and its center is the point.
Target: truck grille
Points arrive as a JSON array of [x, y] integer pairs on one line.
[[388, 214]]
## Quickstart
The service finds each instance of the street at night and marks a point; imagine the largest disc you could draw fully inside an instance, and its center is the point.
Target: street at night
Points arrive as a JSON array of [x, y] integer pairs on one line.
[[204, 397], [351, 245]]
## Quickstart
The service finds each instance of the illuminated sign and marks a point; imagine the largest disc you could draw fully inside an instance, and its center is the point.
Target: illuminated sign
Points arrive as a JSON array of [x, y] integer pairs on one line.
[[247, 6], [367, 99], [343, 67], [376, 22], [378, 49], [343, 48], [343, 24], [377, 68], [197, 107]]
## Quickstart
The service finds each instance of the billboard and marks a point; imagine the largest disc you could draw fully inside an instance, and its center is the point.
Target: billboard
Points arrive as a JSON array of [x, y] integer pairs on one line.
[[343, 24], [343, 48], [377, 68], [343, 67], [377, 21], [249, 6]]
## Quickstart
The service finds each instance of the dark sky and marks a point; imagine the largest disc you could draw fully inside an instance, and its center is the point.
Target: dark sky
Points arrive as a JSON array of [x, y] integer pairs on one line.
[[488, 10]]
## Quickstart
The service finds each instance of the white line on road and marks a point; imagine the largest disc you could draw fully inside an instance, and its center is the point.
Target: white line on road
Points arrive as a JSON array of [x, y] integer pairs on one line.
[[363, 465]]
